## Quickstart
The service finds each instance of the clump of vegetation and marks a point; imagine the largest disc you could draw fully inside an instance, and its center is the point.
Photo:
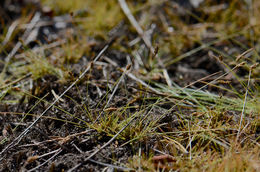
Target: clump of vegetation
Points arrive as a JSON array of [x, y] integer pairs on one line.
[[187, 102]]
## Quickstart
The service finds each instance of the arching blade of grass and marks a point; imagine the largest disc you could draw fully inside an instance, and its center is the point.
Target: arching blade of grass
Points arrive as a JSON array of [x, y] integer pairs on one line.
[[207, 99]]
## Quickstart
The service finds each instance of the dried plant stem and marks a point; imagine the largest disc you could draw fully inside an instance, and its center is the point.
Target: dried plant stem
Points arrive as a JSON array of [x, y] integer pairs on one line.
[[57, 152], [244, 105], [142, 34], [25, 37], [113, 93], [105, 145]]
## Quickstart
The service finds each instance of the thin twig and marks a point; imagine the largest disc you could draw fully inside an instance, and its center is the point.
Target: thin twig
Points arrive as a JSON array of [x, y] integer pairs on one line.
[[114, 90], [111, 166], [244, 105], [142, 34], [105, 145], [102, 163], [15, 81], [190, 139], [132, 76], [135, 24], [57, 153], [43, 47], [10, 32], [25, 37]]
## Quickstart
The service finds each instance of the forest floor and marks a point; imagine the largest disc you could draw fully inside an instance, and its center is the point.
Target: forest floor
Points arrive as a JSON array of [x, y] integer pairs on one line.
[[170, 85]]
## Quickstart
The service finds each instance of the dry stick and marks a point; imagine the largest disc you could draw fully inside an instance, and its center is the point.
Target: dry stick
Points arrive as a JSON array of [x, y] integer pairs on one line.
[[10, 32], [35, 157], [55, 139], [102, 163], [18, 139], [15, 81], [190, 139], [243, 110], [57, 152], [105, 145], [44, 47], [133, 21], [25, 37], [114, 91], [142, 34], [132, 76], [201, 79], [243, 54], [111, 166]]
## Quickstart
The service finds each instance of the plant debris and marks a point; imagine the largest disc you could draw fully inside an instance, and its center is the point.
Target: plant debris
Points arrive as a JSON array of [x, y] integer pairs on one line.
[[129, 85]]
